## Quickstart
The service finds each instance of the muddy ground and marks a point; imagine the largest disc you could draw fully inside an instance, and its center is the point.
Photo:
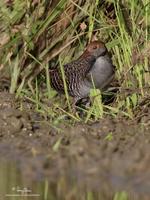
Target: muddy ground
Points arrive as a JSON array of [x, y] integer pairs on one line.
[[110, 154]]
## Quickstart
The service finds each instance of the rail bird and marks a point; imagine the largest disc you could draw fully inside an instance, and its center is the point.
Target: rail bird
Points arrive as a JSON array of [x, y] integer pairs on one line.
[[93, 69]]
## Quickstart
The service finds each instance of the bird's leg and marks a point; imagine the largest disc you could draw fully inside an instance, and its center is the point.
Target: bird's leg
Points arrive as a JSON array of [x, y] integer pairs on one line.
[[74, 105], [80, 105], [86, 102]]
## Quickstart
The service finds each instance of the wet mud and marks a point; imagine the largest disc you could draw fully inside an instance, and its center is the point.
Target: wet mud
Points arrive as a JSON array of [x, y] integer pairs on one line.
[[108, 155]]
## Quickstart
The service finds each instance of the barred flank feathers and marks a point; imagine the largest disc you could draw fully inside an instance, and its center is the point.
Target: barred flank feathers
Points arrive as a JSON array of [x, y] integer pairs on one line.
[[75, 73]]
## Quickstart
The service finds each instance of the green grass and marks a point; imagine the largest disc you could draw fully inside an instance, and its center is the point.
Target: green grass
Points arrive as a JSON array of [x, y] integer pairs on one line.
[[35, 37], [121, 196]]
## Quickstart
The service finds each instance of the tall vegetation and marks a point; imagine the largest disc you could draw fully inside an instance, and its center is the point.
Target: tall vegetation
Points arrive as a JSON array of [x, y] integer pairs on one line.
[[38, 35]]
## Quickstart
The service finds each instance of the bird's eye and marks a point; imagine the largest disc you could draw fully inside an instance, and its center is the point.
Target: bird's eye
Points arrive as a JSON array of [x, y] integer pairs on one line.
[[95, 47]]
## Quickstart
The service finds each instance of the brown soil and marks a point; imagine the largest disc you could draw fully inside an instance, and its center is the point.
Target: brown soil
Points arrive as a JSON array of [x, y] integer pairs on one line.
[[110, 153]]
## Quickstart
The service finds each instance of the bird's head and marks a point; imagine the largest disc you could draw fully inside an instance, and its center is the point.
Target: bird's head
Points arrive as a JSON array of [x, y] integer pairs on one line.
[[96, 49]]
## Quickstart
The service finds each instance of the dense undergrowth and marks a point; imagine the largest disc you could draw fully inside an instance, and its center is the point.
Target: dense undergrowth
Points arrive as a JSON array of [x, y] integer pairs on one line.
[[38, 35]]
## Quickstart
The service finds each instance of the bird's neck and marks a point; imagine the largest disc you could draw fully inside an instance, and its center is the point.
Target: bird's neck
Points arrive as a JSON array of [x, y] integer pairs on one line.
[[88, 57]]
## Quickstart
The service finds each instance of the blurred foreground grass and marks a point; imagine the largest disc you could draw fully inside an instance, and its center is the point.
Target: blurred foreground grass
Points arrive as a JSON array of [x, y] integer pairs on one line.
[[37, 35]]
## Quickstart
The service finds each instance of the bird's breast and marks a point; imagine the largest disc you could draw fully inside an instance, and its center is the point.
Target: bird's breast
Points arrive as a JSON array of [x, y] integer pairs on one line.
[[101, 72]]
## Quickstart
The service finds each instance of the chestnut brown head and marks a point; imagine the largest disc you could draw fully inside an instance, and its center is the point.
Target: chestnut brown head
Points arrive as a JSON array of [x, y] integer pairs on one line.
[[96, 48]]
